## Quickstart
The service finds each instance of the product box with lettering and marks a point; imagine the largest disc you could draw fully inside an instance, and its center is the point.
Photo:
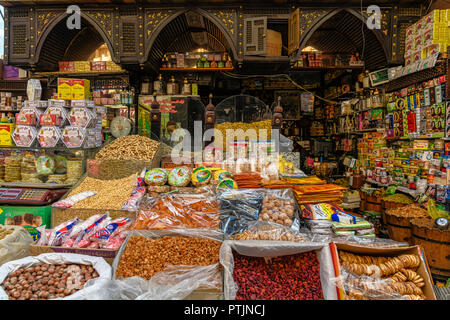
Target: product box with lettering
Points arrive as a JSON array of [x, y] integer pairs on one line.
[[65, 88], [80, 89]]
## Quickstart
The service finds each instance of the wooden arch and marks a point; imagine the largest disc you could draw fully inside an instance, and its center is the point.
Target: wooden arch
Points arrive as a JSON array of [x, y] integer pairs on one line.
[[317, 24], [49, 28]]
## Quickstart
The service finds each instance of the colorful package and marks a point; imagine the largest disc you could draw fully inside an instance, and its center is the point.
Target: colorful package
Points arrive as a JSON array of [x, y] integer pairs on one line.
[[155, 177], [201, 176], [180, 177]]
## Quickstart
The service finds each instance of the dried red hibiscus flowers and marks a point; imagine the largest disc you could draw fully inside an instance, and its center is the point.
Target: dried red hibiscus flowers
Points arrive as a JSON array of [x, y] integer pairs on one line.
[[294, 277]]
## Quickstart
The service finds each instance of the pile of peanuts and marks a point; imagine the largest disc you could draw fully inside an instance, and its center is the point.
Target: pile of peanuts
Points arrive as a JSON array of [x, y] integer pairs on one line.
[[277, 210], [47, 281], [143, 257], [129, 147]]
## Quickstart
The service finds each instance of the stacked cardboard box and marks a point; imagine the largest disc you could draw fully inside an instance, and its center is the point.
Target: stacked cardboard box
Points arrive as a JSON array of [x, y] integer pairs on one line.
[[428, 36]]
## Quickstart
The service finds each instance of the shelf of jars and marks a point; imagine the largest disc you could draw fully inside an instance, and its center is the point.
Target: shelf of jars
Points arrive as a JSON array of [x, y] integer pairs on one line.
[[196, 61], [195, 69]]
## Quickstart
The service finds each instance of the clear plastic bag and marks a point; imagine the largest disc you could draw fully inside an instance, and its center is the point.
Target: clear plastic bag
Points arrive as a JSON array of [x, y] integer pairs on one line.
[[371, 288], [15, 245], [374, 277], [178, 210], [238, 208]]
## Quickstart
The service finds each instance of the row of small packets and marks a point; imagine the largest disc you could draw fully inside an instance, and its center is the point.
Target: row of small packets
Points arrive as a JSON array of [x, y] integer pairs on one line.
[[52, 169], [57, 116]]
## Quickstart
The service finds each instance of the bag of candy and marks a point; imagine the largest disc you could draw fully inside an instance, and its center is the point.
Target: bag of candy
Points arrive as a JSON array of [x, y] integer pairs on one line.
[[61, 232], [105, 234], [82, 240]]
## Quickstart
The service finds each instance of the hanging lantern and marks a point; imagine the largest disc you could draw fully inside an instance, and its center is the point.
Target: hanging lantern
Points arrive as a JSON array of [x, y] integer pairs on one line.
[[278, 115], [210, 114]]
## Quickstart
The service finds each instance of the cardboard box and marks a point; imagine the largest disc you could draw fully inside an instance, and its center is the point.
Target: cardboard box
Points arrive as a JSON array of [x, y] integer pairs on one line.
[[324, 253], [80, 89], [423, 269], [274, 43], [28, 217], [106, 254]]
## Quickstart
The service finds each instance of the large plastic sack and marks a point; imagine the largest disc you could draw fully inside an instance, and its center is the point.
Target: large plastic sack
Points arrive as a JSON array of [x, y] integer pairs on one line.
[[99, 264], [178, 211], [241, 207], [15, 245], [268, 249], [175, 281]]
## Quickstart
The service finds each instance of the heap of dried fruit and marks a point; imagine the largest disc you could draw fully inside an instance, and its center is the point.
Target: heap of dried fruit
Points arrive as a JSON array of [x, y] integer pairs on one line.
[[47, 281], [143, 257], [293, 277]]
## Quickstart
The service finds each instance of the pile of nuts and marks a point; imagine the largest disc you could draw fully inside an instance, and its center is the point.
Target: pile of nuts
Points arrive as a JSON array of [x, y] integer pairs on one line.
[[129, 147], [179, 210], [47, 281], [293, 277], [111, 194], [5, 232], [143, 257], [270, 233], [277, 210]]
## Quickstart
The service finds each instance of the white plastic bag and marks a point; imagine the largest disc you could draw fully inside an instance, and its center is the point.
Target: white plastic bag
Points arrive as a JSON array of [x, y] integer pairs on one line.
[[15, 245], [99, 264]]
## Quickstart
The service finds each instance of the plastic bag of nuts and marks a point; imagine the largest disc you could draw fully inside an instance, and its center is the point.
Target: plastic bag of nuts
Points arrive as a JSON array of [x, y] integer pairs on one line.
[[239, 208], [51, 276]]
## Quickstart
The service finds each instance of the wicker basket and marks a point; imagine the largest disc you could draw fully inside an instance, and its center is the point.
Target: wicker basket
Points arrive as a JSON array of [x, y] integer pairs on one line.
[[106, 254]]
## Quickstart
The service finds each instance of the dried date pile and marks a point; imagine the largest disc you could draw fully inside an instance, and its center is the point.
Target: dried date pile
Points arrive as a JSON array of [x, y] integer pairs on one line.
[[47, 281], [144, 257], [293, 277]]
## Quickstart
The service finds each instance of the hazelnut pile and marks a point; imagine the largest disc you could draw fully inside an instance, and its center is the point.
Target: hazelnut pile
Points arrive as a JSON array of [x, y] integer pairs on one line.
[[277, 210], [47, 281]]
